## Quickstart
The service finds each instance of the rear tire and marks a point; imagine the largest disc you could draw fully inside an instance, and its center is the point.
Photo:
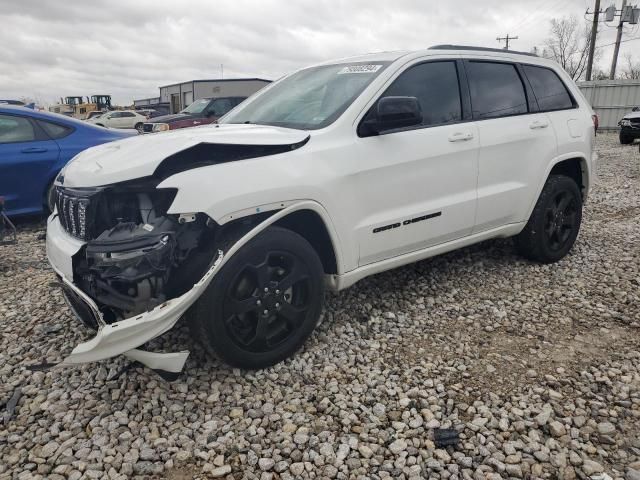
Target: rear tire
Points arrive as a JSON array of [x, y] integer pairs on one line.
[[264, 303], [555, 221]]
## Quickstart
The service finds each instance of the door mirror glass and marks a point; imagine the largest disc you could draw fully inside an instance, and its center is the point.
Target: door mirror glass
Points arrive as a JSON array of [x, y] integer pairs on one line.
[[397, 112]]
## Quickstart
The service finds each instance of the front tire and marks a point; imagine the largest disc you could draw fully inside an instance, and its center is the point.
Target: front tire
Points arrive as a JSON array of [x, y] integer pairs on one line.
[[138, 127], [555, 222], [264, 303]]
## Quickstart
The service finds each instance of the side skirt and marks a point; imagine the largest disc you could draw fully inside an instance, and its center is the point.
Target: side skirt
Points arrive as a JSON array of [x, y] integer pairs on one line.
[[340, 282]]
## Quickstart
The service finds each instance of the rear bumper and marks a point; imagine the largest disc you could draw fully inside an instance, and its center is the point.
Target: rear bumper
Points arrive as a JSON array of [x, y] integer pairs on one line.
[[124, 336]]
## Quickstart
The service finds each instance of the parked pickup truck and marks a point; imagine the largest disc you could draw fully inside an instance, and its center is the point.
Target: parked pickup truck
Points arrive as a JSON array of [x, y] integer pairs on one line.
[[200, 112], [630, 126]]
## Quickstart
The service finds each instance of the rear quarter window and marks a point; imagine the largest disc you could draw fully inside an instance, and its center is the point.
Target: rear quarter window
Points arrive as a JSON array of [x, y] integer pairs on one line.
[[550, 92], [54, 130]]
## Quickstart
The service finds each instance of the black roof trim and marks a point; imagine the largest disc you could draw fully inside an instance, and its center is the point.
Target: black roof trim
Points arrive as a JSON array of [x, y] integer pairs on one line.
[[219, 80], [480, 49]]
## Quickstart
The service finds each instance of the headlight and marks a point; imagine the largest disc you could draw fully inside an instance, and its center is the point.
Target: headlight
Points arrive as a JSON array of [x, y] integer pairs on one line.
[[625, 123], [160, 127]]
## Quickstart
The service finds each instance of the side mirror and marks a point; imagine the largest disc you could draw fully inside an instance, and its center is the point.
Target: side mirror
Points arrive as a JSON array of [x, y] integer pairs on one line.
[[397, 112]]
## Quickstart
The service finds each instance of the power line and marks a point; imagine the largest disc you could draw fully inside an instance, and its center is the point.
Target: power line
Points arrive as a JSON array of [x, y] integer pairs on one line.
[[621, 41]]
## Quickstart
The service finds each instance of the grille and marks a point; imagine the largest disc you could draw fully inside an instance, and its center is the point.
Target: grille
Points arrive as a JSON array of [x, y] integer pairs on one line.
[[635, 121], [73, 212], [147, 127]]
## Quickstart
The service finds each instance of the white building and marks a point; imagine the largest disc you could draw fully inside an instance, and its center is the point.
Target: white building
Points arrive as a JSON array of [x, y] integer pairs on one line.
[[181, 95]]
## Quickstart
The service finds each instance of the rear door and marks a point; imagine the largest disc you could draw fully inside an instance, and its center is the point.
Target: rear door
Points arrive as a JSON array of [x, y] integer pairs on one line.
[[417, 186], [128, 120], [516, 142], [553, 98], [26, 157]]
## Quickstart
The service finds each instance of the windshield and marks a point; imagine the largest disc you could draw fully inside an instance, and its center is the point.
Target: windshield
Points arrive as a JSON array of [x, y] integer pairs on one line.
[[196, 107], [309, 99]]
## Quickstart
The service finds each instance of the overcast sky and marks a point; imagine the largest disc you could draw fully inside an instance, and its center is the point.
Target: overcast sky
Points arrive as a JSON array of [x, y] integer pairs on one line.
[[128, 48]]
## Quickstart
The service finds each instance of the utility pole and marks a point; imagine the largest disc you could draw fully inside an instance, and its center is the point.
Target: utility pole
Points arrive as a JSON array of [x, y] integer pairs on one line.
[[506, 40], [594, 34], [612, 75]]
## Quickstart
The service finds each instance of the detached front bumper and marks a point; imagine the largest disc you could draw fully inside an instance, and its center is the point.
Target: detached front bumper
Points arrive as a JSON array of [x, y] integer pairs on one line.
[[124, 336], [631, 131]]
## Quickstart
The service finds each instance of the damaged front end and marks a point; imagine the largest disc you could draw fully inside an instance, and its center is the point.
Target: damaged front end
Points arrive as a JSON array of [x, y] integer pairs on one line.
[[134, 268]]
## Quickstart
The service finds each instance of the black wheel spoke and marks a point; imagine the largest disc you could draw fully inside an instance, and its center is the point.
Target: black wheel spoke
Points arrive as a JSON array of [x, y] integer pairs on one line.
[[238, 307], [564, 202], [259, 340], [569, 220], [261, 273], [292, 314], [295, 275]]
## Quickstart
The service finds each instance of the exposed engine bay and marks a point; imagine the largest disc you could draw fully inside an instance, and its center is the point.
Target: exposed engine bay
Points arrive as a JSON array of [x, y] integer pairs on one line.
[[137, 256]]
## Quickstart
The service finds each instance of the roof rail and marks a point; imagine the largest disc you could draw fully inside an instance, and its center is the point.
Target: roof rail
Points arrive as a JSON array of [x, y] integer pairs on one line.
[[482, 49]]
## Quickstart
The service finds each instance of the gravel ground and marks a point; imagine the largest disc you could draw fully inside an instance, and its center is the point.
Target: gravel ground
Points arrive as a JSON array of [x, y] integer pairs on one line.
[[536, 366]]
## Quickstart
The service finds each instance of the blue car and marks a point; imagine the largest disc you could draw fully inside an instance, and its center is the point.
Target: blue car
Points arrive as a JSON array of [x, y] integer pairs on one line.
[[34, 146]]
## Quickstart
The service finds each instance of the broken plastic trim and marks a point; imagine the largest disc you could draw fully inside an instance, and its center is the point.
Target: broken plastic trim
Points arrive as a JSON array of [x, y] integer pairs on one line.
[[124, 336], [205, 154]]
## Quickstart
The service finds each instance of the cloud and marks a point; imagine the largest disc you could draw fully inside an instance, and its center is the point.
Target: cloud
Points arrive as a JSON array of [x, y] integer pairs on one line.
[[129, 48]]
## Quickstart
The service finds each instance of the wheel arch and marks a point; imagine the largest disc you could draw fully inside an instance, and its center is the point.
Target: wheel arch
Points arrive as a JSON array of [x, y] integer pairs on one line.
[[575, 166], [307, 218]]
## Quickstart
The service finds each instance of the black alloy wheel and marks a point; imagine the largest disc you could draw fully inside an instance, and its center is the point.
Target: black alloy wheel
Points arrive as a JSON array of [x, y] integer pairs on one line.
[[554, 224], [560, 220], [263, 303], [266, 302]]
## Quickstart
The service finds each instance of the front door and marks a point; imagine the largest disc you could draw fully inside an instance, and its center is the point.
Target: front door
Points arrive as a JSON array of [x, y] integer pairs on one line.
[[417, 186], [26, 158]]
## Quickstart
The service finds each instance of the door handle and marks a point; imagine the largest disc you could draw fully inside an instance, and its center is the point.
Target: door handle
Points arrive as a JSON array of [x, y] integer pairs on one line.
[[538, 124], [460, 136], [34, 150]]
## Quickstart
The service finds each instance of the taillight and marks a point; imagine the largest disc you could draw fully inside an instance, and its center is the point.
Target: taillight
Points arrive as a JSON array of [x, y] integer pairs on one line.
[[596, 122]]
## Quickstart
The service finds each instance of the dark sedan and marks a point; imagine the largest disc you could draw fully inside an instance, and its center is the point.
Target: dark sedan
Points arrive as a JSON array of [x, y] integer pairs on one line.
[[200, 112]]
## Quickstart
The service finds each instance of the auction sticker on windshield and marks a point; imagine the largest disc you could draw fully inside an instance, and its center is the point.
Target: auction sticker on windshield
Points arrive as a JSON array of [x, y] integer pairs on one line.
[[360, 69]]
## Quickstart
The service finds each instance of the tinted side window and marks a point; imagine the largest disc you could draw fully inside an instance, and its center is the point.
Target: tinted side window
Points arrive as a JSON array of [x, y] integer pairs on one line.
[[548, 88], [15, 129], [127, 114], [496, 90], [55, 130], [220, 106], [435, 85]]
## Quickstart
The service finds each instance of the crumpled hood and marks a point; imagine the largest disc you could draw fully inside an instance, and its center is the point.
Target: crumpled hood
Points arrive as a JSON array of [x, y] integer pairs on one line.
[[139, 156]]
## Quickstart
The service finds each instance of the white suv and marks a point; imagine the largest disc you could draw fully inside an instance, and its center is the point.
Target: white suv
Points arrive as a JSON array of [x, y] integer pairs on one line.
[[331, 174]]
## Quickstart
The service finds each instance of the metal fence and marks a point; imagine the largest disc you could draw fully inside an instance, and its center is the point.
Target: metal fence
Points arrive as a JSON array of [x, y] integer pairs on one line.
[[611, 99]]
